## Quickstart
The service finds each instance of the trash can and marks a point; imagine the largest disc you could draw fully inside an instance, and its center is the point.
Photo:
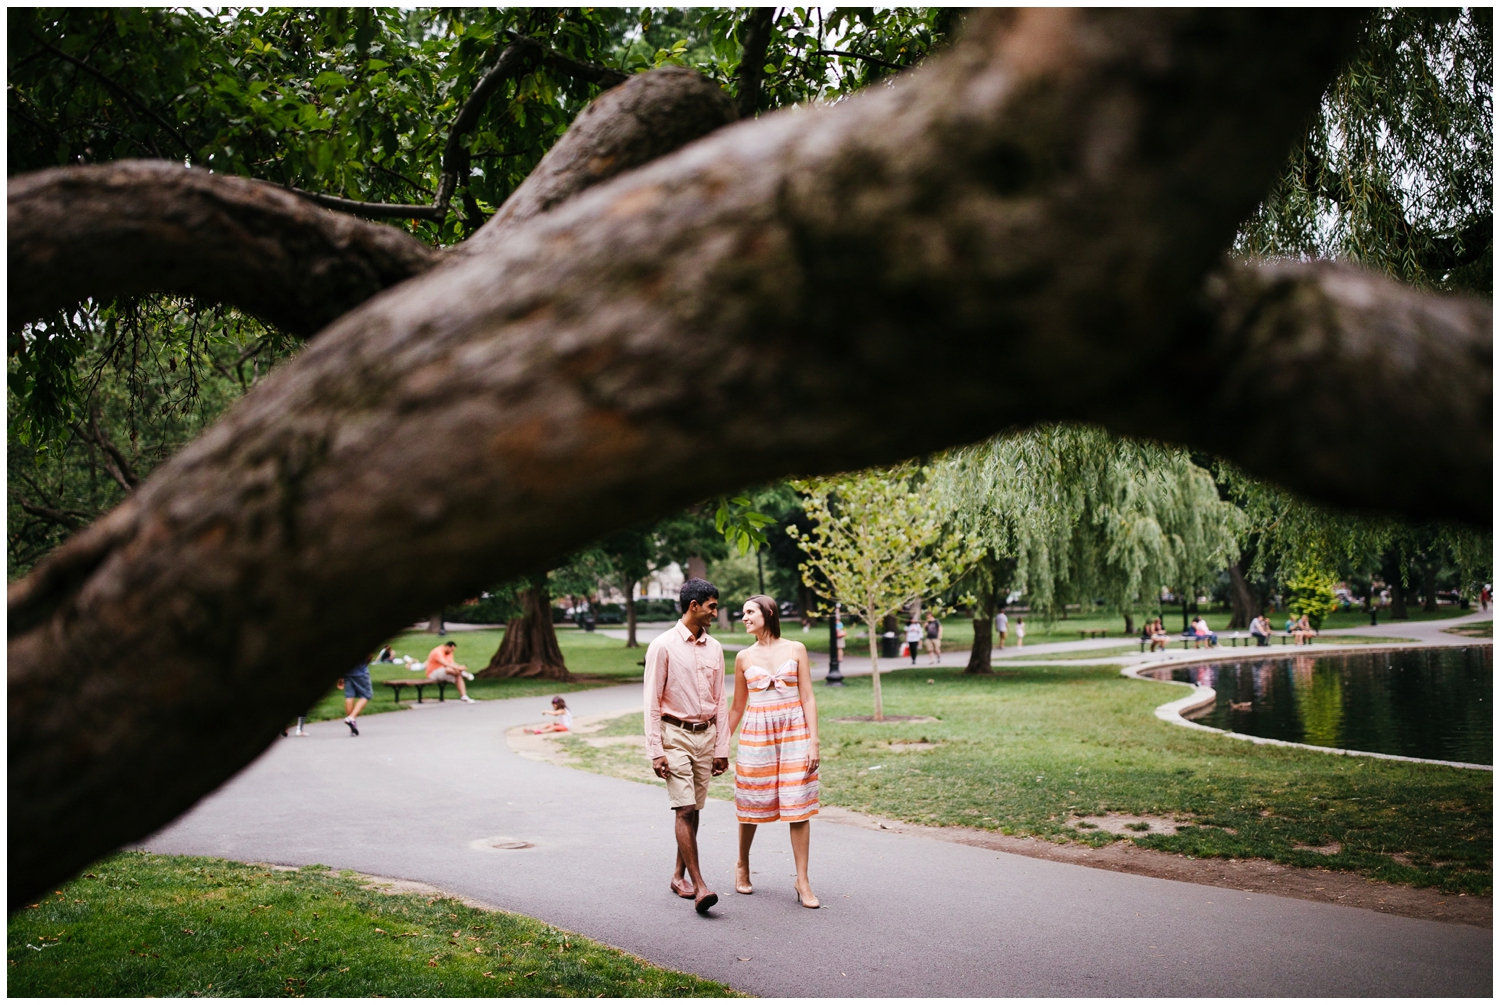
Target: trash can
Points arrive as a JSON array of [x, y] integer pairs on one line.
[[890, 646], [588, 622]]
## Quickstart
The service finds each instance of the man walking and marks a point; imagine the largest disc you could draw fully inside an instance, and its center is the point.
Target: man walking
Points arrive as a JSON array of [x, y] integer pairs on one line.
[[687, 736], [357, 694]]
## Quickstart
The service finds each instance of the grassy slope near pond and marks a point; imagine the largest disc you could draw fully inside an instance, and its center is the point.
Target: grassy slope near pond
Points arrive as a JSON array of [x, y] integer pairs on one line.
[[1029, 749], [155, 925]]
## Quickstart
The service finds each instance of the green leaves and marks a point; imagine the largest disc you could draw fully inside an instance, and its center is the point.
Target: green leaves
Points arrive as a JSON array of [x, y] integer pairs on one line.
[[740, 524]]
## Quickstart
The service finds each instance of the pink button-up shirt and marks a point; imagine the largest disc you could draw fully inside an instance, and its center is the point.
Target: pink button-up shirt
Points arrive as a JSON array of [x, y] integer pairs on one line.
[[685, 678]]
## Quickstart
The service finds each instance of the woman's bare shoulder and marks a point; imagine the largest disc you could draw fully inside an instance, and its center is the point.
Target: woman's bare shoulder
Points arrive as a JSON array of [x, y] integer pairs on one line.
[[798, 649]]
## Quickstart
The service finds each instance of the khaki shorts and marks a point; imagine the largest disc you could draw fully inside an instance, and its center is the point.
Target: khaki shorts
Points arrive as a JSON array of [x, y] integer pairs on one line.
[[690, 763]]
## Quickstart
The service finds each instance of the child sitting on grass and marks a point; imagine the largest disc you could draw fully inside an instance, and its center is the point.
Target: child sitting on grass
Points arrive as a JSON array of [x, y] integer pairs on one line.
[[564, 721]]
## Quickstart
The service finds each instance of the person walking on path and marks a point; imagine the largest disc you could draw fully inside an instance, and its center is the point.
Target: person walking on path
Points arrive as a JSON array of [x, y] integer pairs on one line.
[[1020, 632], [357, 694], [934, 639], [686, 735], [1002, 625], [914, 639], [440, 666], [776, 768]]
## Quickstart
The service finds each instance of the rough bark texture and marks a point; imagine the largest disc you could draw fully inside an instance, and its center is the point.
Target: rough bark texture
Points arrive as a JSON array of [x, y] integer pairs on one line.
[[140, 226], [1044, 202], [530, 647], [1241, 600]]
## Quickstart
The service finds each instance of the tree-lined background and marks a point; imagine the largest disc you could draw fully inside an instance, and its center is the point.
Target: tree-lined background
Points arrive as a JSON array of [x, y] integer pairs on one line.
[[405, 116]]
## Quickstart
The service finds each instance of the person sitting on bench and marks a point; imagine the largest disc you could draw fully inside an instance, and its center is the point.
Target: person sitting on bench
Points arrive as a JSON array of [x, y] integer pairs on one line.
[[440, 666], [1202, 634]]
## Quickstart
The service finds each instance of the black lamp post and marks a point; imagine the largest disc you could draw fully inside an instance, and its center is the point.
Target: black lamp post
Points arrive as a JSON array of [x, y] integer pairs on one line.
[[834, 678]]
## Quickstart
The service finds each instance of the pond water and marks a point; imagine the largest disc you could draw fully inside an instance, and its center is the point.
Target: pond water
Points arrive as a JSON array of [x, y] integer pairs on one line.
[[1432, 703]]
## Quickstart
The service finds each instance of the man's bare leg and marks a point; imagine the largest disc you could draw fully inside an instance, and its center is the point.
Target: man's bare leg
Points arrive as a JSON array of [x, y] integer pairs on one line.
[[354, 706], [681, 885], [801, 838], [742, 882], [687, 852]]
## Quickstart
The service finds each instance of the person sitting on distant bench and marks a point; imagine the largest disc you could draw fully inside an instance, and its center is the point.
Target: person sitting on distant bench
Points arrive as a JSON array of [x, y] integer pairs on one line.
[[440, 666], [1159, 637], [1303, 631], [1202, 634], [1260, 627]]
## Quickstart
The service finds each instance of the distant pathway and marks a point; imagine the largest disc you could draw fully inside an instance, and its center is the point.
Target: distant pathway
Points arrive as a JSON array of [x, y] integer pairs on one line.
[[419, 793]]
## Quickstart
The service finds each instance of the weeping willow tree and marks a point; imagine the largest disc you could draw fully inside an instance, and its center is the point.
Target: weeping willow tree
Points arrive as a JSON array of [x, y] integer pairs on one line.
[[1395, 173], [1070, 513]]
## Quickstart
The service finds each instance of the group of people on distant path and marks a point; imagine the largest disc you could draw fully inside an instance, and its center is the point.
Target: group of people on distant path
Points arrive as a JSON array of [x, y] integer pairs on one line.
[[928, 636], [688, 729]]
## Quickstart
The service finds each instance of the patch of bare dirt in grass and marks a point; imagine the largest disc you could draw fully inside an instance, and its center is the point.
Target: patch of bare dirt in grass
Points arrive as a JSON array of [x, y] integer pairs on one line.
[[1251, 876]]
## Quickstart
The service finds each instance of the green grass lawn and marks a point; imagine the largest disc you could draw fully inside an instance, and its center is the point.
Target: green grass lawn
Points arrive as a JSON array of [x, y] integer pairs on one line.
[[156, 925], [587, 653], [1029, 749]]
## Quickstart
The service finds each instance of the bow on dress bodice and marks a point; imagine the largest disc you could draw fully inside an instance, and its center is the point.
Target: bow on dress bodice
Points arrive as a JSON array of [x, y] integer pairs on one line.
[[761, 679]]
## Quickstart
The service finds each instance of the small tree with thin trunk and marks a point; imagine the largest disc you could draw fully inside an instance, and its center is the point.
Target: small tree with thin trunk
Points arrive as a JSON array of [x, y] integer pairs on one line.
[[878, 542]]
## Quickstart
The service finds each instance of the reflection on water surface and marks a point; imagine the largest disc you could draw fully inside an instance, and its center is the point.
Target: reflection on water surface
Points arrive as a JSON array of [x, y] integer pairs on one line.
[[1416, 702]]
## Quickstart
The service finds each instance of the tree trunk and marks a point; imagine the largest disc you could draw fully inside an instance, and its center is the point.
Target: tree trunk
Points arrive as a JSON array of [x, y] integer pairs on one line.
[[1398, 601], [696, 567], [530, 647], [870, 620], [984, 641], [1241, 600], [630, 642], [533, 396], [1429, 588], [1129, 623], [435, 623]]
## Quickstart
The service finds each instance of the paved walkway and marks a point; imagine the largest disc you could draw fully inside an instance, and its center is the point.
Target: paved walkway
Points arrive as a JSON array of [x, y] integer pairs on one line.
[[417, 795]]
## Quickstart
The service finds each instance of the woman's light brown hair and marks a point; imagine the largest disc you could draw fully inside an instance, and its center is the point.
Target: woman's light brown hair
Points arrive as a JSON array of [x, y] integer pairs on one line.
[[769, 611]]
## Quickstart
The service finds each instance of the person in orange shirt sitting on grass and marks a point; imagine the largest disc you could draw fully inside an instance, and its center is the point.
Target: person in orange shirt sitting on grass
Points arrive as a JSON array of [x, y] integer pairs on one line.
[[440, 666]]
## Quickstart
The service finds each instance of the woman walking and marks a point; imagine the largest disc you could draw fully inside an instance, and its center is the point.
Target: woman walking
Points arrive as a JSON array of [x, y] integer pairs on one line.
[[776, 768]]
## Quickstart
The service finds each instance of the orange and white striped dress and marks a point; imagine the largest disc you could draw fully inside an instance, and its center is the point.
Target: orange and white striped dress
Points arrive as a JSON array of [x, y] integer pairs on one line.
[[771, 777]]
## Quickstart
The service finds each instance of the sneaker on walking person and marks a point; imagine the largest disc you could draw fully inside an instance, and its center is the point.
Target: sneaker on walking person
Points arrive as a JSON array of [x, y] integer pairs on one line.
[[357, 694]]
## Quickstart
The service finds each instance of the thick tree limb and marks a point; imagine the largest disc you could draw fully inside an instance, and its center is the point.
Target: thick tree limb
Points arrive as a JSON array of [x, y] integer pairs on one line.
[[140, 226], [69, 518], [1043, 204]]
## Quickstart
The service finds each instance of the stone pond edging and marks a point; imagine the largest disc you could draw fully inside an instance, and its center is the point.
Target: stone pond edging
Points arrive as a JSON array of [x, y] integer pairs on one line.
[[1202, 695]]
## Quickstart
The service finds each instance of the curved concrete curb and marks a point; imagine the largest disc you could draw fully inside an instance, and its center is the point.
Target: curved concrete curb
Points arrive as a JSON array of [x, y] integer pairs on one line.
[[1203, 695]]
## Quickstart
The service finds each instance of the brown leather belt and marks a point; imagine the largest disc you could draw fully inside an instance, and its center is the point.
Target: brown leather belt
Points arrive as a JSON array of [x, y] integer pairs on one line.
[[695, 727]]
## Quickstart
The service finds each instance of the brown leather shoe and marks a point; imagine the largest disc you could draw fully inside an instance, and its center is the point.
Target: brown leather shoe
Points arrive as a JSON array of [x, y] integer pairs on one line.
[[683, 888]]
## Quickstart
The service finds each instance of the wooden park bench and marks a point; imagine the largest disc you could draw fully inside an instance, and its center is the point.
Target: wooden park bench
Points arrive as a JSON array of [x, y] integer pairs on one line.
[[419, 684], [1093, 633]]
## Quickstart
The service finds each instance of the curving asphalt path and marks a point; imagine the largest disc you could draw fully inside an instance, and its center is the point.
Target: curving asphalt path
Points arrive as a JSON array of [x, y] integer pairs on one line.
[[905, 916]]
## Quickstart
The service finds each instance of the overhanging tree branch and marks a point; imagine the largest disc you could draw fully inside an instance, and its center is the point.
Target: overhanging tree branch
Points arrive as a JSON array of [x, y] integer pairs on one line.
[[135, 227], [1046, 202]]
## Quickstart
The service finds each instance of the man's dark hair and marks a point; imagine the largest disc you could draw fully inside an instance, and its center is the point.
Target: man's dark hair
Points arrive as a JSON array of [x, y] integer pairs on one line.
[[449, 642], [699, 590]]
